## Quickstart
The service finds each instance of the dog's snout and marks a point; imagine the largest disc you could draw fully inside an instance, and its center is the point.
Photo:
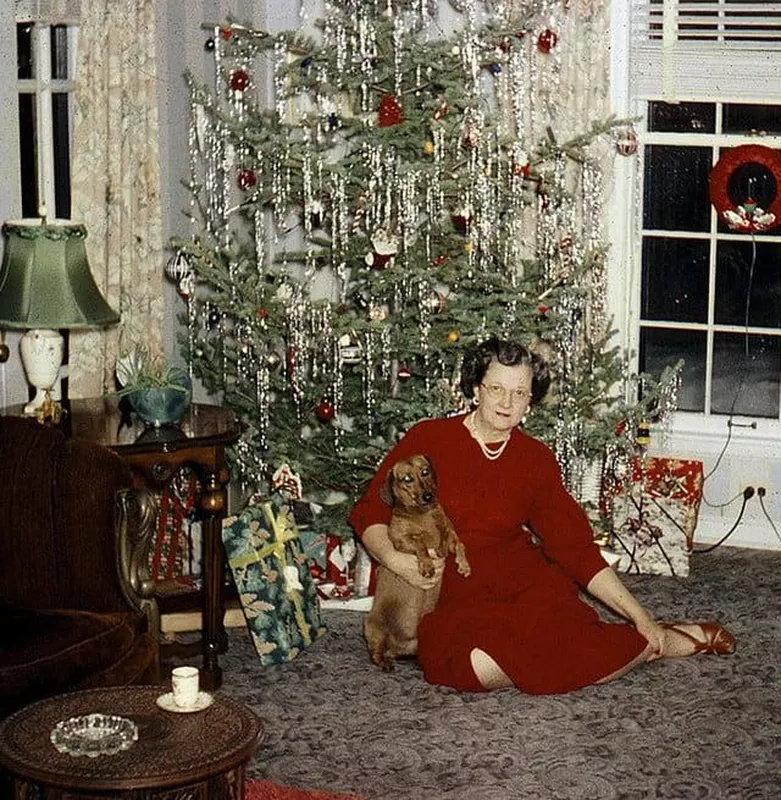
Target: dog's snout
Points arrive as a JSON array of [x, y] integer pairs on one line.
[[428, 497]]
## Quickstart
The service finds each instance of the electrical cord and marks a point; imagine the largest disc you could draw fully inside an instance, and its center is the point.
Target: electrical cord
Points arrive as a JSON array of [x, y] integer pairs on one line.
[[761, 495], [748, 493]]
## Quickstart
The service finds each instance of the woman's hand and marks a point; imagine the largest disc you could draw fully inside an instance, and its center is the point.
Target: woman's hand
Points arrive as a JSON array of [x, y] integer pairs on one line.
[[405, 565], [654, 633]]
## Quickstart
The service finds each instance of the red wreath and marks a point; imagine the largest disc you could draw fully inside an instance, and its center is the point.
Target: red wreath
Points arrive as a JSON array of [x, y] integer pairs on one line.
[[746, 215]]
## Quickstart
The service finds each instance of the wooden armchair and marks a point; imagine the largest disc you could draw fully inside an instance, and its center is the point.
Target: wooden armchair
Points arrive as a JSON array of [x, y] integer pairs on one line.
[[76, 604]]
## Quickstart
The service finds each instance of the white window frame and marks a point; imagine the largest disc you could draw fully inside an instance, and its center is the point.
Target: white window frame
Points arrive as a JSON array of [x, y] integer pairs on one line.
[[643, 71], [42, 87]]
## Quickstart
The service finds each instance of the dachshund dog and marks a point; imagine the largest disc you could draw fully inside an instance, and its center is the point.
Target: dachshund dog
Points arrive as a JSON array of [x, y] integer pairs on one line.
[[417, 526]]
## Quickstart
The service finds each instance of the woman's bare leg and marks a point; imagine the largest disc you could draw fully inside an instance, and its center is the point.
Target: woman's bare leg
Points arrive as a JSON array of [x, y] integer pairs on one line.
[[676, 645], [487, 671]]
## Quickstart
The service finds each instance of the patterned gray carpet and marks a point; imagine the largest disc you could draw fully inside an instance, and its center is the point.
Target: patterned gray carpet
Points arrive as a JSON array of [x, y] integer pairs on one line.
[[703, 727]]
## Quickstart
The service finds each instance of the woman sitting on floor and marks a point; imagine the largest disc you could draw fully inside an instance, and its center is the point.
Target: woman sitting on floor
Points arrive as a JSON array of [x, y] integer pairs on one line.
[[518, 620]]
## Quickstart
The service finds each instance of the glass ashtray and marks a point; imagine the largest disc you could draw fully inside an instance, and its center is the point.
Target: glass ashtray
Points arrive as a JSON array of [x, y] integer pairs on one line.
[[94, 735]]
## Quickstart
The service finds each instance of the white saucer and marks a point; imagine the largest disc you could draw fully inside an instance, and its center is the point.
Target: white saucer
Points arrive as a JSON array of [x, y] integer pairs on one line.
[[166, 701]]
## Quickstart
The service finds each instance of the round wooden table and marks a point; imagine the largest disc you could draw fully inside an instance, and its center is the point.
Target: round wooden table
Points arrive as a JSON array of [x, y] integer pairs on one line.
[[196, 755]]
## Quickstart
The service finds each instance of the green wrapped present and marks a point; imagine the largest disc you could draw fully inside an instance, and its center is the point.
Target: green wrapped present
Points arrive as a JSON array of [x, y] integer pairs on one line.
[[272, 577]]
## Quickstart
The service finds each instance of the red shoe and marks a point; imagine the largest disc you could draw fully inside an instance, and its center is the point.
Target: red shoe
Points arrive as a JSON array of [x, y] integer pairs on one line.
[[718, 640]]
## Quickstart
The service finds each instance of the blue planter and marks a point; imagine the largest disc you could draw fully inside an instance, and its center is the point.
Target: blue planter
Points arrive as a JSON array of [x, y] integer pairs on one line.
[[162, 406]]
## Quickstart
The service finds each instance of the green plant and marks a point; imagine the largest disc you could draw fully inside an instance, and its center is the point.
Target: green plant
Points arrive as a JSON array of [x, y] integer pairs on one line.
[[139, 370]]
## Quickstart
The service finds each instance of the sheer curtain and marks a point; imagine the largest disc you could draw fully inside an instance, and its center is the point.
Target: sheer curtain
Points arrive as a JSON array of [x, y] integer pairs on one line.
[[116, 183]]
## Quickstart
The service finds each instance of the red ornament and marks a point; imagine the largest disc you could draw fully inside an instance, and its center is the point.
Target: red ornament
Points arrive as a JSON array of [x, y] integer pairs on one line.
[[542, 310], [620, 428], [404, 374], [546, 41], [325, 410], [226, 32], [239, 80], [389, 112], [262, 313], [439, 260], [246, 179], [739, 174]]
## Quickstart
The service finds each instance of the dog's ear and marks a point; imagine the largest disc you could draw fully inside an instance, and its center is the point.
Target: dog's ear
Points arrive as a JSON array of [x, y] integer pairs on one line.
[[431, 469], [386, 490]]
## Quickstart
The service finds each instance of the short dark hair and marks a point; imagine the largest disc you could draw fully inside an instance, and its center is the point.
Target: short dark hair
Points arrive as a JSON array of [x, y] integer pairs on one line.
[[510, 354]]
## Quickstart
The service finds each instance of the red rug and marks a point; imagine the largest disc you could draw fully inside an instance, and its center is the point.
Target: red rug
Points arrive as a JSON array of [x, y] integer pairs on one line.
[[266, 790]]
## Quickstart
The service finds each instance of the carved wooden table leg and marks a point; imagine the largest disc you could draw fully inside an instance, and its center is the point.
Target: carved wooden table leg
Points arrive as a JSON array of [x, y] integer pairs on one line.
[[213, 502]]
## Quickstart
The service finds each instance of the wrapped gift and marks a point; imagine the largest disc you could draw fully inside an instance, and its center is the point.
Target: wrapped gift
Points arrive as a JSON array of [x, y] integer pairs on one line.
[[272, 576], [653, 515], [171, 557]]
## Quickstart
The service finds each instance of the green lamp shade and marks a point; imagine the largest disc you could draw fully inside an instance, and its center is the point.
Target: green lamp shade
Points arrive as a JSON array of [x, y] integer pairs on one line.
[[45, 280]]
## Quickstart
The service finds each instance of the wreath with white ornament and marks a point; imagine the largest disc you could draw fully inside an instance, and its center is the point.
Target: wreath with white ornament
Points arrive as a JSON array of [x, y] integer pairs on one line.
[[745, 188]]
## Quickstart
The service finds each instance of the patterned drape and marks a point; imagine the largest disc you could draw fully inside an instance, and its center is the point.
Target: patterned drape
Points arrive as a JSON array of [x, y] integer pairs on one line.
[[566, 89], [116, 183]]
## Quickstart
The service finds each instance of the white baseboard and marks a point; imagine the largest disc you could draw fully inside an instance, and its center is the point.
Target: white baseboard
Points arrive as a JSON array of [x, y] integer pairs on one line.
[[752, 535], [187, 621]]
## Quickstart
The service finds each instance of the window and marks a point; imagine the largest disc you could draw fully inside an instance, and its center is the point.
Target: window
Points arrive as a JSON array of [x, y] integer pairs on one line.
[[705, 76], [45, 69], [708, 294]]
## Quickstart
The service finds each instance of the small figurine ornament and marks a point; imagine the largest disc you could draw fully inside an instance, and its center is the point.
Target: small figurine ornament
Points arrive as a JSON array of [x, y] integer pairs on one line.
[[384, 247], [627, 143]]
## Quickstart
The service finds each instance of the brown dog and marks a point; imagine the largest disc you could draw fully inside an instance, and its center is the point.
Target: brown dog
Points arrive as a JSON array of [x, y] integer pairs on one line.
[[417, 526]]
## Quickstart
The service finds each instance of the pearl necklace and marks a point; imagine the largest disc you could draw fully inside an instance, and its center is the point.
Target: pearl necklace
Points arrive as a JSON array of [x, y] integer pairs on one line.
[[491, 455]]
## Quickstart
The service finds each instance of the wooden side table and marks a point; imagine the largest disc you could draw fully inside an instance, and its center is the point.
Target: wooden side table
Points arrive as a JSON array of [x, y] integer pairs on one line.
[[199, 755], [155, 455]]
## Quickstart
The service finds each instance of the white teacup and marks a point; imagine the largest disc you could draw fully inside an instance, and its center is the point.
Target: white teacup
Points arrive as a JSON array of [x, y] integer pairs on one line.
[[184, 682]]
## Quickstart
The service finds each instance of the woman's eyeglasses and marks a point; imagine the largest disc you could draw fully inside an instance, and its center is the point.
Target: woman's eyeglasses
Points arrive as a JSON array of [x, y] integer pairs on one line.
[[498, 392]]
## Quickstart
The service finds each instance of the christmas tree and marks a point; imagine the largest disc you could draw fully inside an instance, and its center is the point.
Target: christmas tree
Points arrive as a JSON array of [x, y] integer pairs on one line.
[[392, 205]]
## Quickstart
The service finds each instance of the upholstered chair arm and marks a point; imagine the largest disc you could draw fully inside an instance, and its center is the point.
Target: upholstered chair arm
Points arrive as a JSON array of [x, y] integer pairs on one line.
[[135, 528]]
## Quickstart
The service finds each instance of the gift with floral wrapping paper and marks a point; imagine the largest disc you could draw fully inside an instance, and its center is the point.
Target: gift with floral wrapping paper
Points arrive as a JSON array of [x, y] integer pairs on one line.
[[271, 574], [653, 512]]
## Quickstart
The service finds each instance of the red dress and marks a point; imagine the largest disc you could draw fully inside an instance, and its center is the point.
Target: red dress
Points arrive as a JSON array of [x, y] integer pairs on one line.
[[521, 604]]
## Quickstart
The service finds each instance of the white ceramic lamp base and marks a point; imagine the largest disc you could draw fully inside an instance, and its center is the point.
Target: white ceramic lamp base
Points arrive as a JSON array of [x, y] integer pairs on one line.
[[41, 351]]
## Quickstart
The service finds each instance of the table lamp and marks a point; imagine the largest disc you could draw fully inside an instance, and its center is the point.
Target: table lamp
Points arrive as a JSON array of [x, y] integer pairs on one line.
[[46, 285]]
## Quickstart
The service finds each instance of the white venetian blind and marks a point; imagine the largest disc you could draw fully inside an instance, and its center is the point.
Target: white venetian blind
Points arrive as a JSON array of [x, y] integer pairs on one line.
[[697, 49]]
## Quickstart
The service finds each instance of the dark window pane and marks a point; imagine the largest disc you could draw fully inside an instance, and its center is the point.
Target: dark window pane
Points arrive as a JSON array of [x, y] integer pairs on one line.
[[25, 64], [663, 348], [734, 272], [751, 119], [675, 280], [28, 155], [59, 47], [676, 195], [682, 117], [746, 372], [61, 146]]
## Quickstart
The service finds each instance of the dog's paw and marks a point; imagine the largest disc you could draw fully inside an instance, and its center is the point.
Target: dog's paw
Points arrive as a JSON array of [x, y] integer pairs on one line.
[[462, 564], [426, 568]]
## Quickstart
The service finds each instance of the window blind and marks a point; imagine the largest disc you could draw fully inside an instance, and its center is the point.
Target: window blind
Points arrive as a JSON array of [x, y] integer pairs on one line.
[[700, 49]]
